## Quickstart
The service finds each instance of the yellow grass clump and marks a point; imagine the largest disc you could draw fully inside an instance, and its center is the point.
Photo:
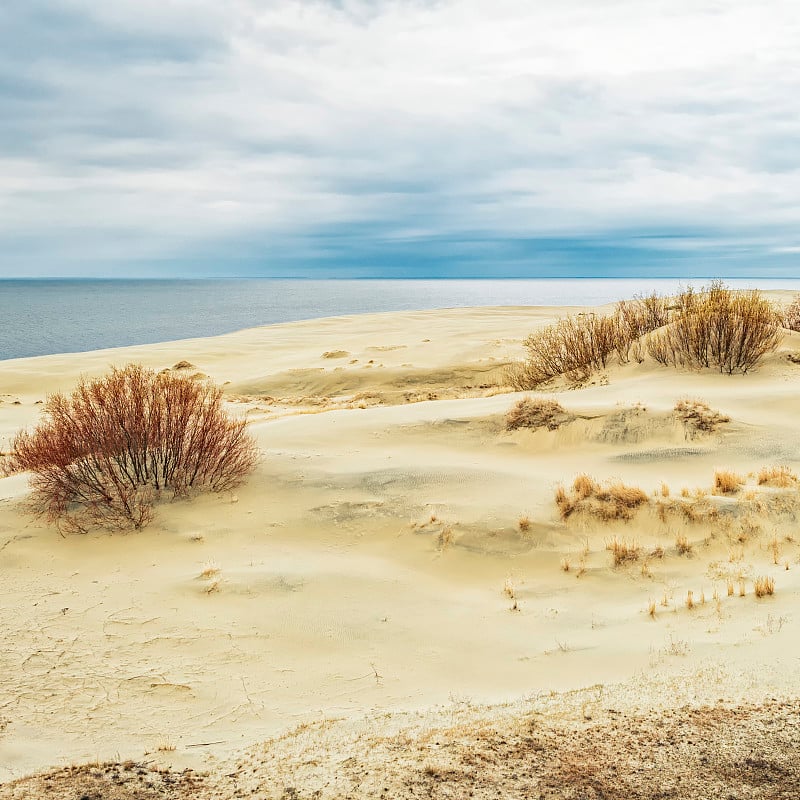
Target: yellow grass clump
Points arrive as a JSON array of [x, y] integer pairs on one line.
[[764, 586], [623, 551], [683, 545], [779, 476], [611, 501], [727, 482]]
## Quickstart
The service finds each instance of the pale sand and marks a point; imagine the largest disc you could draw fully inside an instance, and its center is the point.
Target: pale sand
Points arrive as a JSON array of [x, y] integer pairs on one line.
[[337, 597]]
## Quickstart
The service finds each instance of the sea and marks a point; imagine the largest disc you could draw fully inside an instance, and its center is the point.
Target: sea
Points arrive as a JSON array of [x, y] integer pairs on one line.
[[42, 317]]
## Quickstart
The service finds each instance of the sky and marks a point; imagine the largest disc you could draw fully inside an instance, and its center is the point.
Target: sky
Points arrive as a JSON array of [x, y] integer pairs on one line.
[[447, 138]]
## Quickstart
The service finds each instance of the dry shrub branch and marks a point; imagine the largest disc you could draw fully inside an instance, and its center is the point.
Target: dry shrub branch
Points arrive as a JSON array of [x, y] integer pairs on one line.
[[575, 346], [716, 327], [102, 455]]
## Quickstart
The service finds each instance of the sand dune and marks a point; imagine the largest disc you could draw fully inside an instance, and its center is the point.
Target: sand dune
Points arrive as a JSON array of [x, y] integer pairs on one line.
[[375, 566]]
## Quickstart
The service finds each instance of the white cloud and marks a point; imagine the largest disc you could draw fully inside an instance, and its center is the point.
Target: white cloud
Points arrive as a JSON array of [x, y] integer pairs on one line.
[[187, 122]]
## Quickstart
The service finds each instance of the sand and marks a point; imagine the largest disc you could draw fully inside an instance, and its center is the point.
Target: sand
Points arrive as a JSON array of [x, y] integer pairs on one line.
[[371, 580]]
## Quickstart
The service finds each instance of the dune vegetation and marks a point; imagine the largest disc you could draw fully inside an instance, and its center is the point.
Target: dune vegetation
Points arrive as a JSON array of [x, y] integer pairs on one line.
[[714, 328], [102, 455]]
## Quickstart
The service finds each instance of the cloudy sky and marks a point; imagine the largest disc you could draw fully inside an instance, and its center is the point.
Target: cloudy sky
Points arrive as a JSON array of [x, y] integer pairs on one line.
[[404, 138]]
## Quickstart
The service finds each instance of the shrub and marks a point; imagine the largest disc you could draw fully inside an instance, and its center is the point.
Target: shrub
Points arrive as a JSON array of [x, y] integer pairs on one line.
[[792, 316], [718, 327], [575, 346], [530, 413], [102, 455]]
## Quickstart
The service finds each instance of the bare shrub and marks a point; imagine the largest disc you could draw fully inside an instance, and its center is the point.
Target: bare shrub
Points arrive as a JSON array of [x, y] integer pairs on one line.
[[576, 346], [792, 315], [726, 482], [718, 327], [102, 455], [530, 413]]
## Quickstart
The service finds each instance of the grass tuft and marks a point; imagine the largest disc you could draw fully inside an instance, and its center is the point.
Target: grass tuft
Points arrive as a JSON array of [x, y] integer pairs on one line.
[[764, 586], [727, 482]]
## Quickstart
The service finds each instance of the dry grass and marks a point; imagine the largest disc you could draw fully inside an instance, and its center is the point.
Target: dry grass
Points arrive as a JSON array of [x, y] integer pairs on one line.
[[611, 501], [697, 416], [524, 524], [445, 538], [683, 545], [210, 569], [623, 551], [779, 476], [535, 414], [689, 600], [651, 609], [727, 482], [566, 564], [583, 486], [764, 586]]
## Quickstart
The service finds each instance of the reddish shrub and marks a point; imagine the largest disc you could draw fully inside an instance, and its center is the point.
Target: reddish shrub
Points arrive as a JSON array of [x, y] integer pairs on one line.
[[102, 455]]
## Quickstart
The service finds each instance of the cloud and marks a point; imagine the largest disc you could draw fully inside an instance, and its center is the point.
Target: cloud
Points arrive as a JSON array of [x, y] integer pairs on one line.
[[294, 137]]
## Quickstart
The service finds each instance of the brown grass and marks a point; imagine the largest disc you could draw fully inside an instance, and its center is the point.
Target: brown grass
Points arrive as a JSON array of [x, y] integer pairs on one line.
[[726, 482], [779, 476], [535, 414], [102, 455], [611, 501], [583, 486], [524, 524], [683, 545], [623, 551], [689, 600], [764, 586]]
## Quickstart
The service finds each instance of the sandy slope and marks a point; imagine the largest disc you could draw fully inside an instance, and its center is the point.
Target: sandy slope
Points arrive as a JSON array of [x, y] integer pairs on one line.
[[372, 562]]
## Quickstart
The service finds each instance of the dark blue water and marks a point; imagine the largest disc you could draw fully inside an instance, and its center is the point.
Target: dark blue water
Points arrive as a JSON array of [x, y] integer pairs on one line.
[[40, 317]]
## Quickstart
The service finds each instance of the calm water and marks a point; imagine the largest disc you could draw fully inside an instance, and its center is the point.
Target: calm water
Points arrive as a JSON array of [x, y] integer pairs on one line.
[[43, 317]]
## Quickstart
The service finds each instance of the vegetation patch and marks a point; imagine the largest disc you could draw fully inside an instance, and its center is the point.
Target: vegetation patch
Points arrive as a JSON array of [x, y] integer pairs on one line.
[[716, 327], [535, 414], [697, 417], [102, 455], [612, 501]]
